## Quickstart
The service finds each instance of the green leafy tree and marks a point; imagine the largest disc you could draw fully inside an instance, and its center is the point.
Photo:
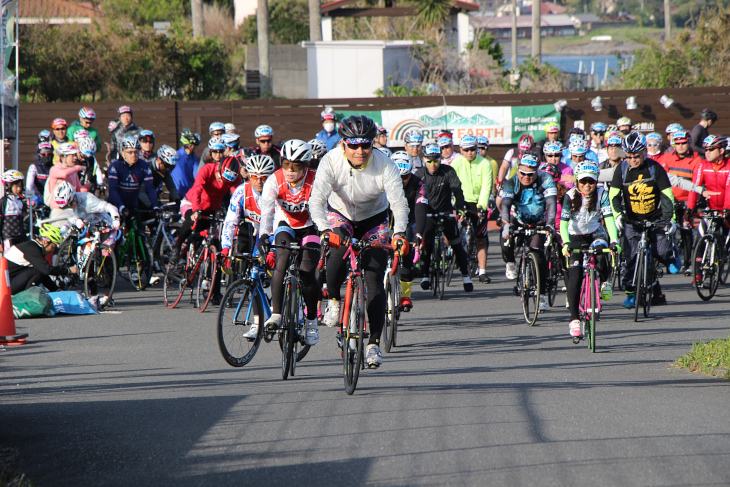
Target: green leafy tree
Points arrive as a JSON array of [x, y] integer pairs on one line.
[[487, 42], [288, 23]]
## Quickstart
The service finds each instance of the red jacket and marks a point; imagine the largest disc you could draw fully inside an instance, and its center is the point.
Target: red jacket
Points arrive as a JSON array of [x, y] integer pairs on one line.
[[714, 177], [683, 168], [207, 192]]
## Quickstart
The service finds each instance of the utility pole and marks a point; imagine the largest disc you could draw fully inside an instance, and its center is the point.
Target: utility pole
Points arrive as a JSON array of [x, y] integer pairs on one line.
[[315, 21], [536, 40], [196, 10], [667, 21], [514, 36], [262, 22]]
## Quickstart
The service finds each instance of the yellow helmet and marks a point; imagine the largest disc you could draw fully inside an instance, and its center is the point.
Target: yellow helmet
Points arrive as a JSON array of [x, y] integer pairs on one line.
[[51, 232]]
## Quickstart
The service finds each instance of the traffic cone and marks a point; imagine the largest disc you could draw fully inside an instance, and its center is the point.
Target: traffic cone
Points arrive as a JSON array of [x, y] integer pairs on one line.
[[8, 335]]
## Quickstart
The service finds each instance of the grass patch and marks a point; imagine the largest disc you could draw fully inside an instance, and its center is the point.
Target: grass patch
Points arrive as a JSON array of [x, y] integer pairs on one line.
[[619, 34], [712, 358]]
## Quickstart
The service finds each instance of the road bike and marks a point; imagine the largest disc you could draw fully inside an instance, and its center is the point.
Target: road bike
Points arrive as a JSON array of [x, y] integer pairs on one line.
[[134, 256], [528, 272], [438, 271], [554, 265], [393, 295], [646, 273], [163, 237], [710, 264], [589, 303], [209, 278]]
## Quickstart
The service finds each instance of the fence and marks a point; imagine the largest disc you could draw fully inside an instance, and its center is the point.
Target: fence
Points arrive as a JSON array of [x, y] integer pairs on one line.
[[300, 118]]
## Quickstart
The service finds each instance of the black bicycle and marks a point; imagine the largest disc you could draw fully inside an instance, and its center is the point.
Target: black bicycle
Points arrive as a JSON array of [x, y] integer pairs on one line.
[[528, 272], [710, 264], [440, 260]]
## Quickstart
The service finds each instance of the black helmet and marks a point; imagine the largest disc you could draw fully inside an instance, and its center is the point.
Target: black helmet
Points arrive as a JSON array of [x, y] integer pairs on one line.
[[708, 114], [357, 127]]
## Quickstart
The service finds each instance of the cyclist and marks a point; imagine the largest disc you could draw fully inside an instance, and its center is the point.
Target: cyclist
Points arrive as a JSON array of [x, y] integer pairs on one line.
[[413, 139], [613, 150], [12, 210], [232, 142], [598, 133], [640, 191], [714, 173], [533, 194], [265, 144], [443, 184], [319, 149], [78, 135], [654, 146], [352, 191], [699, 132], [67, 170], [93, 176], [161, 169], [288, 193], [552, 134], [477, 182], [125, 129], [381, 139], [83, 208], [186, 169], [215, 130], [671, 128], [39, 172], [384, 150], [44, 136], [328, 134], [577, 140], [584, 207], [87, 116], [126, 177], [553, 152], [623, 125], [230, 128], [446, 145], [682, 161], [59, 127], [512, 158], [27, 263], [147, 143], [415, 192]]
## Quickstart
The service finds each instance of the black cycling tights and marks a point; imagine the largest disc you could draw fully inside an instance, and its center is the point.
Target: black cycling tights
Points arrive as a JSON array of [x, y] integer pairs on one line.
[[308, 260]]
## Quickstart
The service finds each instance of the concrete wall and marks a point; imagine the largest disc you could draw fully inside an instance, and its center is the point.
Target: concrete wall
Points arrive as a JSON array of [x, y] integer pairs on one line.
[[288, 65]]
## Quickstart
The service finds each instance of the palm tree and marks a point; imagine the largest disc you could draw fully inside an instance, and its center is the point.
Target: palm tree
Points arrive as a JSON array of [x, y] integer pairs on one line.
[[432, 12]]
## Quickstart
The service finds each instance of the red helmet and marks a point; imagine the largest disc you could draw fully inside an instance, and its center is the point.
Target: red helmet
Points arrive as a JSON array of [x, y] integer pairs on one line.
[[229, 168], [526, 142]]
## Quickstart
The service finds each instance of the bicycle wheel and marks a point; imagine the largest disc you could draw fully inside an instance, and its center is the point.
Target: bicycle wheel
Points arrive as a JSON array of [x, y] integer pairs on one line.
[[140, 263], [553, 274], [638, 283], [593, 304], [354, 333], [162, 248], [391, 313], [649, 280], [173, 287], [445, 267], [208, 273], [471, 251], [529, 290], [435, 268], [287, 334], [101, 269], [705, 267], [449, 260], [67, 258], [723, 263], [240, 309], [301, 350]]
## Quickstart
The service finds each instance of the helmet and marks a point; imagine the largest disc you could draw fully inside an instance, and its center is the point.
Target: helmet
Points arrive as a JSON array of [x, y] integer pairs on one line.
[[229, 168], [67, 149], [51, 232], [445, 141], [578, 147], [260, 164], [215, 126], [382, 131], [468, 142], [552, 128], [231, 140], [87, 146], [81, 134], [296, 150], [113, 125], [404, 162], [58, 122], [708, 114], [87, 113], [598, 127], [131, 143], [431, 151], [45, 147], [682, 136], [614, 139], [263, 131], [63, 194], [327, 114], [623, 121], [714, 142], [577, 130], [586, 170], [12, 175], [357, 128], [526, 142], [673, 127], [482, 142], [124, 109], [168, 155], [634, 142], [319, 148], [654, 136], [146, 134], [551, 169], [216, 143], [552, 148], [230, 127], [384, 150], [44, 136], [529, 158], [444, 133], [413, 137], [187, 138]]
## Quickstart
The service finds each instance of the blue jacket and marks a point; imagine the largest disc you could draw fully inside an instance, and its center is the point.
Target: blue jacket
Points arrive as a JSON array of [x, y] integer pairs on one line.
[[329, 139], [590, 156], [184, 172], [125, 181]]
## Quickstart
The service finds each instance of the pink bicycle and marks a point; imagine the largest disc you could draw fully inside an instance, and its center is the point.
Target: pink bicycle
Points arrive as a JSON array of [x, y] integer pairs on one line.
[[590, 295]]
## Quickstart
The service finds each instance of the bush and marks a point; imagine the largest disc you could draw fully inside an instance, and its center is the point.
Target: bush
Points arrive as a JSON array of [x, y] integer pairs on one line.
[[288, 23]]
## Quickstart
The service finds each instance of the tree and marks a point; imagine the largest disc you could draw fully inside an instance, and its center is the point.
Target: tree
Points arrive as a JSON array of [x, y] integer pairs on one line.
[[288, 23]]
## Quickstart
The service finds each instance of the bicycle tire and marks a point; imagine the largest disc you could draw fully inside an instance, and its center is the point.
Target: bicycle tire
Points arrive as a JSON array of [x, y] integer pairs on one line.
[[443, 275], [354, 333], [449, 260], [724, 264], [209, 271], [553, 274], [173, 287], [302, 349], [236, 350], [391, 314], [529, 289], [66, 258], [705, 278], [97, 269], [161, 249], [434, 270], [593, 302], [649, 278], [638, 283], [288, 329]]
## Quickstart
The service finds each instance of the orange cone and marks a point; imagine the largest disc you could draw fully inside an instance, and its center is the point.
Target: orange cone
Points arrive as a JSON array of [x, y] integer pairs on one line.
[[8, 335]]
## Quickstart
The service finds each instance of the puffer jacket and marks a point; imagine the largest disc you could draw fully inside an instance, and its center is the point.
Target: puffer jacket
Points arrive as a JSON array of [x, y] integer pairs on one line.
[[119, 135]]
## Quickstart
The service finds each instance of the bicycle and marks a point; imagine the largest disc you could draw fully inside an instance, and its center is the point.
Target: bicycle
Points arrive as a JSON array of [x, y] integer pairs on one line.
[[393, 295], [135, 254], [163, 238], [710, 256], [468, 240], [210, 269], [589, 304], [353, 329], [646, 273], [555, 267], [528, 273], [437, 272]]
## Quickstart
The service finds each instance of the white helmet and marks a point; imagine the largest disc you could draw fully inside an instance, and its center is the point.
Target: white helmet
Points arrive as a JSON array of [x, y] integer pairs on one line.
[[12, 175], [67, 149], [404, 162], [80, 135], [230, 127], [63, 194], [319, 148], [578, 147], [260, 164], [384, 150], [168, 155], [87, 146], [296, 150]]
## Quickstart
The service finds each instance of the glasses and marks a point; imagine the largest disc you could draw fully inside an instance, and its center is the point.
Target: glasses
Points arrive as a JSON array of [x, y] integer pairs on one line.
[[445, 147], [264, 141], [652, 145], [216, 151], [62, 129], [415, 146], [633, 156], [259, 178], [428, 161], [552, 155], [680, 143], [710, 149], [292, 166], [599, 133], [528, 174], [473, 149], [363, 146], [587, 181]]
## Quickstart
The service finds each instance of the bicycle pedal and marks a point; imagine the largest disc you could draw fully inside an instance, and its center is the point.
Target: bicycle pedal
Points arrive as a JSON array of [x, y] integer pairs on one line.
[[659, 273], [516, 290], [577, 340]]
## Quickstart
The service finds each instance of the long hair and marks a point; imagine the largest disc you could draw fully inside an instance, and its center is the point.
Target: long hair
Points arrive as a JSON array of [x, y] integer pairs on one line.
[[577, 202]]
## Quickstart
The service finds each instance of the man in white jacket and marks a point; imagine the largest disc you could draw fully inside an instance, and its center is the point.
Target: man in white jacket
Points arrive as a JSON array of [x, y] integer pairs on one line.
[[352, 191]]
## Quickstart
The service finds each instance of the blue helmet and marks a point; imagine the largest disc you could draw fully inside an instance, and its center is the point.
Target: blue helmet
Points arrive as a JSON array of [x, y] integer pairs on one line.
[[599, 127], [445, 141], [578, 147], [468, 142], [673, 127], [231, 140], [587, 169], [654, 136], [413, 137], [215, 126], [552, 148], [216, 143], [634, 142], [403, 161], [432, 152], [482, 142], [147, 134], [614, 139], [263, 131], [529, 159]]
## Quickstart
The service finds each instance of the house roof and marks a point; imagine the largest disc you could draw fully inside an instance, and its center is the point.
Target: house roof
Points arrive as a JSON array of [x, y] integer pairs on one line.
[[56, 11], [338, 4], [552, 8], [523, 21]]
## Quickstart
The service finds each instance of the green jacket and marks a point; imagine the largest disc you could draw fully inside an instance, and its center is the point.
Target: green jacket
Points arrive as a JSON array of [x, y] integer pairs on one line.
[[92, 131], [477, 179]]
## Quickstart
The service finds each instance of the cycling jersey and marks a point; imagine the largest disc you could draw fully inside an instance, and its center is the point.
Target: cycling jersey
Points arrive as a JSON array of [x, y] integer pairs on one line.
[[158, 180], [699, 134], [118, 136], [12, 229], [55, 143], [149, 157], [715, 177], [275, 154], [512, 157], [125, 182], [590, 156], [93, 133], [245, 202], [29, 257], [330, 139], [92, 209], [682, 167], [600, 151], [291, 201], [208, 192], [587, 221], [417, 196], [646, 192], [440, 187], [532, 204], [477, 179], [185, 171], [35, 181]]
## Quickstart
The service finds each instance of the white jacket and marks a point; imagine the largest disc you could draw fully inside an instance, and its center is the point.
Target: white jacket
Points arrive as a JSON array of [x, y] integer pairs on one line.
[[358, 194], [92, 209]]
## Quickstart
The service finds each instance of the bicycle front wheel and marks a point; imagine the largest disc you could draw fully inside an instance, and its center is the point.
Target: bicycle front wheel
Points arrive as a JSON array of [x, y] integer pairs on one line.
[[649, 280], [140, 263], [287, 334], [240, 309], [207, 279], [639, 283], [553, 257], [593, 305], [353, 335], [391, 313], [723, 263], [529, 290], [705, 267], [446, 266], [101, 272], [173, 287]]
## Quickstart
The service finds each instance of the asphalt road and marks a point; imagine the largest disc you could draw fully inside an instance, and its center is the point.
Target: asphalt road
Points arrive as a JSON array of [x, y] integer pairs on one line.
[[472, 396]]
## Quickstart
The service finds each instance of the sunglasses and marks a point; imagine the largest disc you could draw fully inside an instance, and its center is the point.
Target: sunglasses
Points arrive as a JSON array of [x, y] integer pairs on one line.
[[599, 133], [587, 181], [429, 161], [216, 151], [293, 166], [264, 141], [633, 156], [259, 178], [363, 146], [415, 146], [62, 129], [652, 145], [710, 149], [473, 149], [528, 174], [445, 147], [44, 154], [680, 143], [553, 155]]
